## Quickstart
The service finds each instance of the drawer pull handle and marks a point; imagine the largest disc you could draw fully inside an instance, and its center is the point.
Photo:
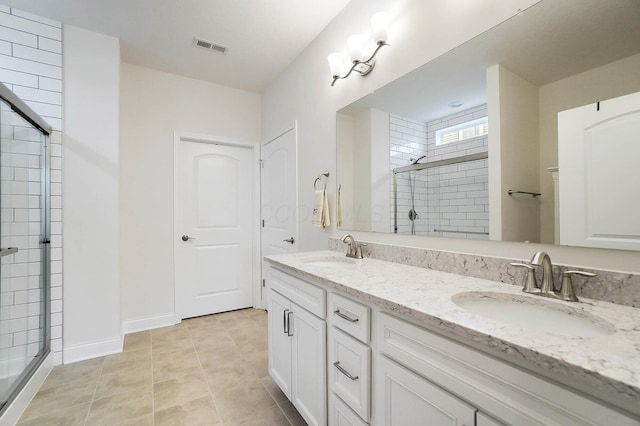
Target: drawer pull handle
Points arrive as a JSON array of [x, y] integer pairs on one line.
[[285, 328], [343, 371], [289, 333], [345, 317]]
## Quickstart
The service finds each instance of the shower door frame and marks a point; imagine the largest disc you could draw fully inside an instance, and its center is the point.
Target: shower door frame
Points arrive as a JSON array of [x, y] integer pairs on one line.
[[23, 110], [428, 165]]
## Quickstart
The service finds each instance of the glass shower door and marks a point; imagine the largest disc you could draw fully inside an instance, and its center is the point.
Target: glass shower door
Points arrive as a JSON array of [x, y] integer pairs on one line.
[[24, 339]]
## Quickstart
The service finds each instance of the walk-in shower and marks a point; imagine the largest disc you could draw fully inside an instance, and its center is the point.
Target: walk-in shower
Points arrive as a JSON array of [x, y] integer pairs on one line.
[[24, 244], [443, 198]]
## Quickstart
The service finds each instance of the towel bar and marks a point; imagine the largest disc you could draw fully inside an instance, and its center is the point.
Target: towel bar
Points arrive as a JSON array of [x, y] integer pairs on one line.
[[460, 232], [533, 194]]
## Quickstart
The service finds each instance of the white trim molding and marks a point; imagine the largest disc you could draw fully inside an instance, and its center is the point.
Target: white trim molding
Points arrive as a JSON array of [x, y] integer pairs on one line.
[[149, 323], [95, 349]]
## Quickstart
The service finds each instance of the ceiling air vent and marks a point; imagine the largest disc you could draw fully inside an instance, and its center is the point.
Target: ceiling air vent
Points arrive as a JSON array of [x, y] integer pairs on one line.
[[203, 44]]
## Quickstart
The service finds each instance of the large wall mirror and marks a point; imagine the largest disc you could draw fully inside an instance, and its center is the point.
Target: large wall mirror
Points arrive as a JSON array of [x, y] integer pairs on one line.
[[466, 146]]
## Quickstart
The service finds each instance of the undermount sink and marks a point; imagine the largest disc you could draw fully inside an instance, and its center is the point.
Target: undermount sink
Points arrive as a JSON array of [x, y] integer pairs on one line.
[[534, 313], [329, 261]]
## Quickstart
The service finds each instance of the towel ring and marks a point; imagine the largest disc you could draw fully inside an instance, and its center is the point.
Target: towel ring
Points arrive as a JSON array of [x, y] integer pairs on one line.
[[325, 174]]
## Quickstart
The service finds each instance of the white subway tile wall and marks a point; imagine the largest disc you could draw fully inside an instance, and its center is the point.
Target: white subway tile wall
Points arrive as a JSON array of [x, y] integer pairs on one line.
[[446, 198], [31, 66]]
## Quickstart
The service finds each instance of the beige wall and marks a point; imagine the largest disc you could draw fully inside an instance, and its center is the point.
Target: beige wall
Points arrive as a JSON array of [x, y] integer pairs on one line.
[[513, 109], [606, 82], [379, 145], [419, 32], [344, 167], [362, 169], [153, 105]]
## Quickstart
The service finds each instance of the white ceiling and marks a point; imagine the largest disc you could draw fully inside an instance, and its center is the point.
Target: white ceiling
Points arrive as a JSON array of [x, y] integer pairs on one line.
[[263, 36]]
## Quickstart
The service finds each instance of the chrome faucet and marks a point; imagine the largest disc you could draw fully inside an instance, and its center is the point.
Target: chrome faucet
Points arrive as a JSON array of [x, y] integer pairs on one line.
[[353, 248], [547, 288]]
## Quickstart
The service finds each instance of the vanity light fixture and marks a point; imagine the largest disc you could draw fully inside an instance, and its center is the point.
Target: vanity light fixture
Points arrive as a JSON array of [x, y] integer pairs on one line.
[[355, 44]]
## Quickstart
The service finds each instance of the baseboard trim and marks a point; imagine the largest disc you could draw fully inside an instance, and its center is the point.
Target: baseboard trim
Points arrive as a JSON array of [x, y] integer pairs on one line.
[[91, 350], [14, 411], [149, 323]]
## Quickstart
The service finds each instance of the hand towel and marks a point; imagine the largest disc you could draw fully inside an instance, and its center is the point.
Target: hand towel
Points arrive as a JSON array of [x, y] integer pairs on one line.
[[320, 209], [325, 209]]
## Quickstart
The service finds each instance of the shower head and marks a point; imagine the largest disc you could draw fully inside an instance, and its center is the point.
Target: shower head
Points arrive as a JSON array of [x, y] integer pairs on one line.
[[415, 160]]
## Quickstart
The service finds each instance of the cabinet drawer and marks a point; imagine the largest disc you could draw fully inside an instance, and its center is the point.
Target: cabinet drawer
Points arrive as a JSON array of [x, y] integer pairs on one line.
[[341, 415], [306, 295], [484, 420], [350, 316], [350, 371]]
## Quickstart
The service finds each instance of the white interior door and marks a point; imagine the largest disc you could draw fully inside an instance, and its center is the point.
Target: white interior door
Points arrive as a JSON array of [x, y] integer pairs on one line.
[[598, 154], [279, 196], [213, 236]]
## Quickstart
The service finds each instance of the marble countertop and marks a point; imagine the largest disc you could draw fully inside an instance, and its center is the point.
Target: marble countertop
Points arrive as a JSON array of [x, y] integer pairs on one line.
[[606, 366]]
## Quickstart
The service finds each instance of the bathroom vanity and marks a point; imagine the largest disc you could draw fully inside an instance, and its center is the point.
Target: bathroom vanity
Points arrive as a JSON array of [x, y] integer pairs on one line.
[[370, 342]]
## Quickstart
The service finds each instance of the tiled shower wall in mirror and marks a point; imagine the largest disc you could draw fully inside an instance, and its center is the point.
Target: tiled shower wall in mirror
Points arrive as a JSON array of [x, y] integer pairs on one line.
[[31, 66], [450, 201]]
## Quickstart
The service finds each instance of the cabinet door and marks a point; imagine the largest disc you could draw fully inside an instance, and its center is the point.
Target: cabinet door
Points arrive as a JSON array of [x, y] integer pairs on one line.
[[279, 341], [309, 387], [405, 399]]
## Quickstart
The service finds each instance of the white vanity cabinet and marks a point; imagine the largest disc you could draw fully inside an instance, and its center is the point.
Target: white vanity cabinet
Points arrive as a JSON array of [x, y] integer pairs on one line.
[[400, 367], [297, 344], [457, 385]]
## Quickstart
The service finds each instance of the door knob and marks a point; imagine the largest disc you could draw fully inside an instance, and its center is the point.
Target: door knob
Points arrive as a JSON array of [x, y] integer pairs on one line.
[[187, 238], [289, 240]]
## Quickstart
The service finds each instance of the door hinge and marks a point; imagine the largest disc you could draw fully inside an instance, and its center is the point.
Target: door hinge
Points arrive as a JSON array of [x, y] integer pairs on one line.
[[264, 283], [262, 164], [263, 223]]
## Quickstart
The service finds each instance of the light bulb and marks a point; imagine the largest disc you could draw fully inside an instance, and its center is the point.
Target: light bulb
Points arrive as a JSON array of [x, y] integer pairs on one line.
[[380, 26], [356, 47], [335, 63]]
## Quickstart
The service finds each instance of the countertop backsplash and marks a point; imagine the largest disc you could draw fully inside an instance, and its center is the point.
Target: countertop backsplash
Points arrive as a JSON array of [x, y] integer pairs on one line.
[[608, 286]]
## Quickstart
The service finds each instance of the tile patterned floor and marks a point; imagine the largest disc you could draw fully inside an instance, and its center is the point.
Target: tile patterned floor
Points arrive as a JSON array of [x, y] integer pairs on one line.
[[209, 370]]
